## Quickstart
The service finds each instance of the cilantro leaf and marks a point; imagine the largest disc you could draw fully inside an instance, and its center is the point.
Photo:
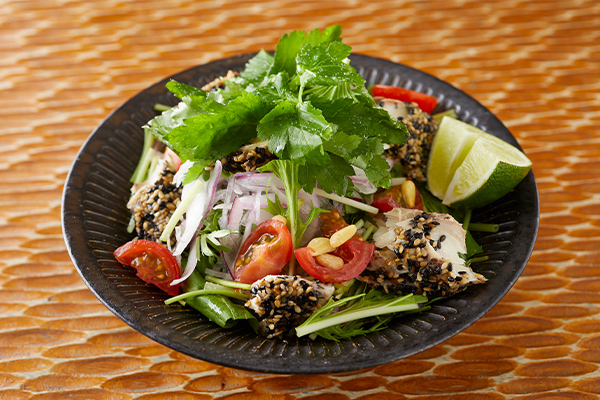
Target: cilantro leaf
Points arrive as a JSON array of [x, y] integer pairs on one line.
[[161, 125], [318, 94], [305, 100], [375, 167], [330, 34], [257, 68], [343, 145], [296, 133], [182, 90], [326, 65], [363, 119], [274, 89], [285, 53], [333, 177], [217, 129], [290, 44]]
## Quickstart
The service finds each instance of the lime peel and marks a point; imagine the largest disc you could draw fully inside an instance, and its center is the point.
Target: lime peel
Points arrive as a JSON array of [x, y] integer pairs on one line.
[[469, 168]]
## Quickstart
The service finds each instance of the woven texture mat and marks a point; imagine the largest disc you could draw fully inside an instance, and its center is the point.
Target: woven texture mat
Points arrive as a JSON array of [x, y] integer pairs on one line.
[[64, 65]]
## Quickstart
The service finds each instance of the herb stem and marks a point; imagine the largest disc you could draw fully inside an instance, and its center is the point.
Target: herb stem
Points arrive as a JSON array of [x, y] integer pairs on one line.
[[467, 220], [144, 165], [161, 107], [204, 292], [345, 200], [227, 283], [351, 315], [478, 259], [368, 232]]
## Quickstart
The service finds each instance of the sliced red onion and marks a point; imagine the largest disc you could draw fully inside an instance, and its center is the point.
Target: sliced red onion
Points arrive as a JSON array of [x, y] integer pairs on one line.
[[390, 162], [235, 215], [190, 265], [213, 183], [252, 181], [361, 182], [198, 208], [228, 258]]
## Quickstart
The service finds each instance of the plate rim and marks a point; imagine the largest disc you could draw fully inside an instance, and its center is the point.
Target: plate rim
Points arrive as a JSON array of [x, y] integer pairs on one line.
[[73, 232]]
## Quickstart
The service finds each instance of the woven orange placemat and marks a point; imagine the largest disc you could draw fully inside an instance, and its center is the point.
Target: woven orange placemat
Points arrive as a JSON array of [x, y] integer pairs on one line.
[[64, 65]]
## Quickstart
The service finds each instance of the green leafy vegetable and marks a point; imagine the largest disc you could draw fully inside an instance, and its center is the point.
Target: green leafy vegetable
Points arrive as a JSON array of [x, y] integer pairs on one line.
[[216, 307], [258, 67], [290, 45], [286, 99], [210, 245], [358, 314], [296, 133], [223, 128]]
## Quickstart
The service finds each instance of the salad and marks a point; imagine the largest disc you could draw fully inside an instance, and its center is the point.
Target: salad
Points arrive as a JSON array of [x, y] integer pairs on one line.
[[293, 198]]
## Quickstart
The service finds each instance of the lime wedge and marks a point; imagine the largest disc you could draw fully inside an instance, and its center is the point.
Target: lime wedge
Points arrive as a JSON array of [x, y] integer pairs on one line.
[[450, 146], [480, 169]]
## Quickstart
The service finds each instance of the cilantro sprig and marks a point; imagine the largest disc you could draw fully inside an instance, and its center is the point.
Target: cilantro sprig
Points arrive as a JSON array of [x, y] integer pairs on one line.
[[305, 100]]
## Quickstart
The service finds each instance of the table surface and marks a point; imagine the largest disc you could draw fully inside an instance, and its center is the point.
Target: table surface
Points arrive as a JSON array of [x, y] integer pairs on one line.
[[65, 64]]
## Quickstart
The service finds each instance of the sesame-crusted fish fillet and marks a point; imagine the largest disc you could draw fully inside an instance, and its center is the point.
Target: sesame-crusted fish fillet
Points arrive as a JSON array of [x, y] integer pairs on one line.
[[421, 126], [248, 157], [152, 203], [419, 252], [283, 302]]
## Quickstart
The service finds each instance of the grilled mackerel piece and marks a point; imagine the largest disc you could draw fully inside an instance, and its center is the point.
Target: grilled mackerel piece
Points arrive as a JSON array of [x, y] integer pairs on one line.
[[283, 302], [421, 126], [418, 252], [152, 202]]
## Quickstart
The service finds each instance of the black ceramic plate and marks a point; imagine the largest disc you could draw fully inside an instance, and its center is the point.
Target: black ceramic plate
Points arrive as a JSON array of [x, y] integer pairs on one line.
[[95, 220]]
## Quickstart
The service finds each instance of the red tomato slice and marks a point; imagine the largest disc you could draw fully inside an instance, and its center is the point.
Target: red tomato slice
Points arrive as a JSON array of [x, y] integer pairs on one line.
[[425, 102], [153, 262], [266, 251], [355, 253], [176, 160], [391, 198]]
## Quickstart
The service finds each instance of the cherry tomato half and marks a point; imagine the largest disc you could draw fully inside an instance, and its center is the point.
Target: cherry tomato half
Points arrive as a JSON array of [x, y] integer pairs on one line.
[[266, 251], [391, 198], [425, 102], [355, 253], [153, 262]]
